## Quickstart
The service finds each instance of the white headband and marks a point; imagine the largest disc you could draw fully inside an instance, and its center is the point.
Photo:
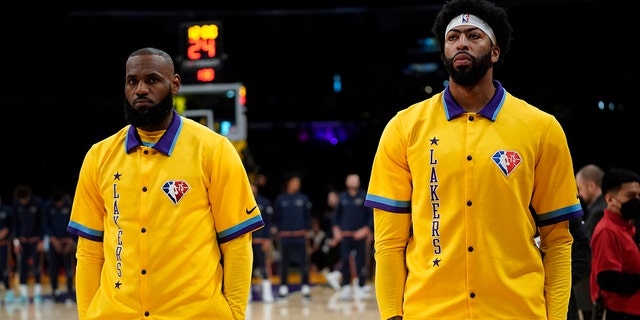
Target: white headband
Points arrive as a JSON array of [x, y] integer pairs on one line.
[[466, 19]]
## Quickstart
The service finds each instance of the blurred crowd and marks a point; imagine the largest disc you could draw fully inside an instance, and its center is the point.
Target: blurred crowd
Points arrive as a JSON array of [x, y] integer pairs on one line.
[[35, 245], [303, 244]]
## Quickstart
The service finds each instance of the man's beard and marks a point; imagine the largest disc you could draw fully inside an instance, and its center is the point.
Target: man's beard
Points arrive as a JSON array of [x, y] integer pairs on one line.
[[148, 116], [467, 76]]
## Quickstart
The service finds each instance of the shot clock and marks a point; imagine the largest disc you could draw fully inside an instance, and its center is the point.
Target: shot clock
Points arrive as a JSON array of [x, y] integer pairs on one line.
[[201, 55], [209, 93]]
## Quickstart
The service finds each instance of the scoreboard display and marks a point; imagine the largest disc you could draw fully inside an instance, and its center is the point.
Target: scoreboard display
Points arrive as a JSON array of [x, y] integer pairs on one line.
[[201, 54]]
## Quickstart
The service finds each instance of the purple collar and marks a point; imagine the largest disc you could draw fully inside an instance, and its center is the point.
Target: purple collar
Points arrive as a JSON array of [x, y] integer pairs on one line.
[[166, 142], [490, 111]]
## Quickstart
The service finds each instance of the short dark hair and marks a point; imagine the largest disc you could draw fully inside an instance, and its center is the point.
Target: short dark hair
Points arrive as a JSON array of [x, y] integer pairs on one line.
[[154, 52], [494, 16], [614, 178], [22, 192]]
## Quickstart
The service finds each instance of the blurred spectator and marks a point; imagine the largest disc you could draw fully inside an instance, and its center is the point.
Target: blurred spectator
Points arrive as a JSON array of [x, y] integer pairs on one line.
[[28, 242], [333, 197], [323, 255], [326, 255], [615, 266], [352, 225], [292, 213], [262, 249], [6, 222], [317, 237], [62, 244], [589, 181]]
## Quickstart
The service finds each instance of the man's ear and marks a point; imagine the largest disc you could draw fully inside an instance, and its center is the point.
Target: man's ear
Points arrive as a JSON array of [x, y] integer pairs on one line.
[[608, 198], [175, 84], [495, 54]]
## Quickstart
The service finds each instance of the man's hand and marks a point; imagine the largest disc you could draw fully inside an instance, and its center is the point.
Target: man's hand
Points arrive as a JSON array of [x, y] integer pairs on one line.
[[361, 233], [16, 246]]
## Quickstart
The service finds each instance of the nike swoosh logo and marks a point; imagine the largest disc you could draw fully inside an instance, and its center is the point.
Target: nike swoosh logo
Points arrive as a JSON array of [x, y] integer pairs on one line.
[[252, 209]]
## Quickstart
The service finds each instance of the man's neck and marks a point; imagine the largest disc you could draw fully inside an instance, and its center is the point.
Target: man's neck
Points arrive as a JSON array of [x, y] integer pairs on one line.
[[164, 125], [473, 98]]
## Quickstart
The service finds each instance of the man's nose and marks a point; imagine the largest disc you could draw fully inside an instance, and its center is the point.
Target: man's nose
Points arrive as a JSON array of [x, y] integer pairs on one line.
[[142, 87]]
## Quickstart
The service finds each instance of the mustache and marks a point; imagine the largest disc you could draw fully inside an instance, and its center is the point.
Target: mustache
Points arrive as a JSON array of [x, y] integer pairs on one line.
[[457, 54], [143, 99], [467, 54]]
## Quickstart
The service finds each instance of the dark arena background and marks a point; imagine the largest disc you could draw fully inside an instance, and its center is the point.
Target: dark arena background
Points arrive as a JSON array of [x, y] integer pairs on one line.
[[322, 79]]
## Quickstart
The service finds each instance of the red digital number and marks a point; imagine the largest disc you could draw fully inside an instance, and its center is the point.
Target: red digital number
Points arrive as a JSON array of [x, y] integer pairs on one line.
[[205, 74], [209, 46], [193, 51], [201, 45]]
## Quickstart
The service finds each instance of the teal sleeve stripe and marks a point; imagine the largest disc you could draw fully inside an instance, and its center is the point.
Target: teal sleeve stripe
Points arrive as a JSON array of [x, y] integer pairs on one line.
[[387, 201], [373, 201], [85, 232], [240, 227]]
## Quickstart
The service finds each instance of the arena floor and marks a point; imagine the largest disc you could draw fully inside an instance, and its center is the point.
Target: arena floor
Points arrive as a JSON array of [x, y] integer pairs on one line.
[[323, 305]]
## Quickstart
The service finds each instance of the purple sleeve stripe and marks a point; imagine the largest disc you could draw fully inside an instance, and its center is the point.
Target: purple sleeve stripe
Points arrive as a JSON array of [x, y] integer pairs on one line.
[[85, 235], [561, 218], [242, 231], [386, 207]]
